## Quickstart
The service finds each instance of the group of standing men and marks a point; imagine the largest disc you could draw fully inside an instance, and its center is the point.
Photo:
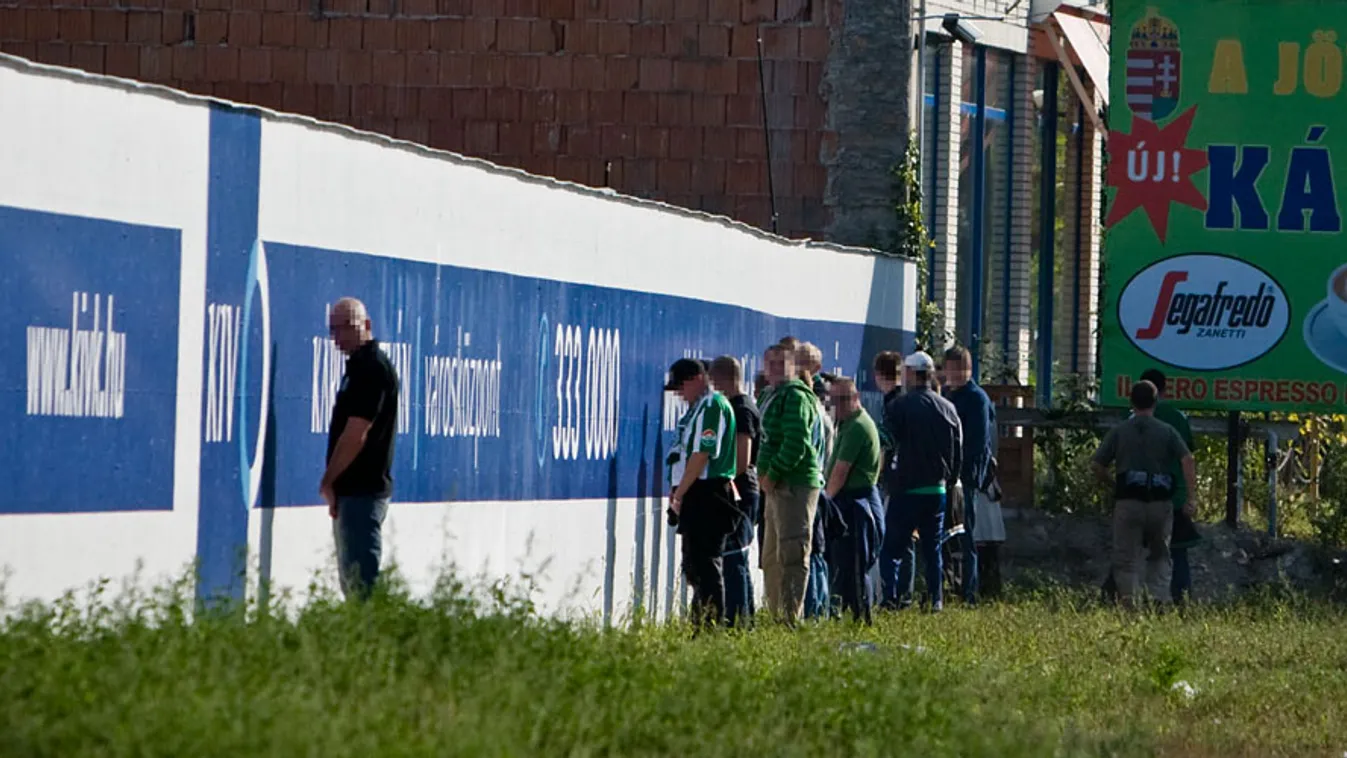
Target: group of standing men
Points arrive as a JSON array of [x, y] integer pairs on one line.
[[819, 466]]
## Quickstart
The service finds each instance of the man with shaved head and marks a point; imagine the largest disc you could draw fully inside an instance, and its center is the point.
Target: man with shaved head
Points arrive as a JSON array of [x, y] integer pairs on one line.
[[358, 480]]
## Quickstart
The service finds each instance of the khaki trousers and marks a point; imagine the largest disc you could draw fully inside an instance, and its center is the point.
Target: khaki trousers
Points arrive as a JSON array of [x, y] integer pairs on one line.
[[1136, 526], [788, 536]]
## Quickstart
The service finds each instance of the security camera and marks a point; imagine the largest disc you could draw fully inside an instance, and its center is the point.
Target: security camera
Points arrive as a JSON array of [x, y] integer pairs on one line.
[[962, 30]]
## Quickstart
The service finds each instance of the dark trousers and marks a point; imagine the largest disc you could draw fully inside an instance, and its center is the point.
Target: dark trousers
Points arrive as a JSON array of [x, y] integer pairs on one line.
[[739, 605], [705, 523], [1181, 580], [853, 556], [989, 569], [926, 514]]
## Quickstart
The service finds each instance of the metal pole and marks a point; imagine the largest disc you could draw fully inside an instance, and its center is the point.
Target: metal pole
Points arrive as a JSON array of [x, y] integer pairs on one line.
[[1232, 470], [1271, 483], [1047, 232]]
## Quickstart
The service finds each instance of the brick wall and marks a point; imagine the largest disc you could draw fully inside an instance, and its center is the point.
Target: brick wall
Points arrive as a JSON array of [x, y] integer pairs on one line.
[[655, 98]]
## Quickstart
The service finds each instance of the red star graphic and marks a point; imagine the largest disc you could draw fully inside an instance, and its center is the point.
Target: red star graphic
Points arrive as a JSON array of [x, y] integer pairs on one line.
[[1137, 159]]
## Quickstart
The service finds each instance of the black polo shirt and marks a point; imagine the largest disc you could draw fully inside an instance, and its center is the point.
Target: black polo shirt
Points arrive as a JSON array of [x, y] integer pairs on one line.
[[369, 390]]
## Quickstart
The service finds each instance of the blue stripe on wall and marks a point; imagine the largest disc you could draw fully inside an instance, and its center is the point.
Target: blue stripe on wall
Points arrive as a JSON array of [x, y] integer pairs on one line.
[[971, 109]]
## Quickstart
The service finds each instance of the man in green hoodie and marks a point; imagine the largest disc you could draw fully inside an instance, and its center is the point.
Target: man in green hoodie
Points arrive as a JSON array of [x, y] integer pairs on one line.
[[790, 476]]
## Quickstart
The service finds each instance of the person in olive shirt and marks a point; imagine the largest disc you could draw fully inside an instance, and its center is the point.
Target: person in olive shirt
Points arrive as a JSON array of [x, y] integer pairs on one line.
[[358, 480], [728, 376], [1146, 451], [788, 473], [702, 501], [853, 472]]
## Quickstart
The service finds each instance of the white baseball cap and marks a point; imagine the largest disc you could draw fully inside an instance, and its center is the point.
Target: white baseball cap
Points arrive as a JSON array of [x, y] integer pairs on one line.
[[919, 361]]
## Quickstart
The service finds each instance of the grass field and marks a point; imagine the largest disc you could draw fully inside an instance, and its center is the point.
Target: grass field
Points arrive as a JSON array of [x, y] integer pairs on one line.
[[1039, 675]]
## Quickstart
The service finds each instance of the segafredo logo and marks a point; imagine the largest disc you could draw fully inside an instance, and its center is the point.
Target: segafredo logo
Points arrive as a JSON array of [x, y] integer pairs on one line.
[[1203, 312]]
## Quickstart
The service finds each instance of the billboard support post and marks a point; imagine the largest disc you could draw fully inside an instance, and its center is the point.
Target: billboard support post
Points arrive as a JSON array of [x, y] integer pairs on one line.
[[1234, 480]]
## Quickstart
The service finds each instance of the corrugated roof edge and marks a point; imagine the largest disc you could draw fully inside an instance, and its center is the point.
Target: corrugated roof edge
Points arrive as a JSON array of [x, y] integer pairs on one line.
[[17, 63]]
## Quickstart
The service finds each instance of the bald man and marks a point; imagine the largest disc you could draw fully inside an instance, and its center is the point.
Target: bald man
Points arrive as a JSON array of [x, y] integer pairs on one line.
[[358, 480]]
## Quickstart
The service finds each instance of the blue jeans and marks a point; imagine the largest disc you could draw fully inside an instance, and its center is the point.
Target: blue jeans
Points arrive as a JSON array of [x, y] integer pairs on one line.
[[968, 545], [817, 600], [738, 580], [1181, 581], [926, 514], [358, 532]]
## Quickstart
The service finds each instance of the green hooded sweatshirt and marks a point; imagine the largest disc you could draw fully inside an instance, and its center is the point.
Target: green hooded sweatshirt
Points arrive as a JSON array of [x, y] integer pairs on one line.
[[790, 444]]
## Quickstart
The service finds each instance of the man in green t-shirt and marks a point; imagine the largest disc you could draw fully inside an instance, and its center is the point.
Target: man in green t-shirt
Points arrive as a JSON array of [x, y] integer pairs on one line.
[[701, 468], [853, 472]]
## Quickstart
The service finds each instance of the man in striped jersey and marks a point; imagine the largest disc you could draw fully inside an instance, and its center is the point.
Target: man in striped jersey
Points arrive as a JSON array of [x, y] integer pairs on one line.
[[702, 501]]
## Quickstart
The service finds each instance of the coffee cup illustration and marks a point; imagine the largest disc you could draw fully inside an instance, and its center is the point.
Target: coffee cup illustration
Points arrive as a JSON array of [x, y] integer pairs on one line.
[[1337, 298]]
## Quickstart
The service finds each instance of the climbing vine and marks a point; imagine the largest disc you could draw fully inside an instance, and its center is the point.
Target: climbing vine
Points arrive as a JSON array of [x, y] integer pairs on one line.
[[913, 241]]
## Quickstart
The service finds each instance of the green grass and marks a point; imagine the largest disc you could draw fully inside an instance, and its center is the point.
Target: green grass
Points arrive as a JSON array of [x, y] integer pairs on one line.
[[1041, 675]]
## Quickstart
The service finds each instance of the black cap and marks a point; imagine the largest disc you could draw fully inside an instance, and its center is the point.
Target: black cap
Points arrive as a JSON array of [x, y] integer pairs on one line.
[[683, 370]]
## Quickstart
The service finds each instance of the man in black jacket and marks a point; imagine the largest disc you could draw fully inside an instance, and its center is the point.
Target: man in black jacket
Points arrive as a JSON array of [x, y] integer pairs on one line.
[[927, 448]]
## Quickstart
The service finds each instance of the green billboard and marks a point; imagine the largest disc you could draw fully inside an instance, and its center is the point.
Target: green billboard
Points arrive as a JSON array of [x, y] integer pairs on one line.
[[1225, 264]]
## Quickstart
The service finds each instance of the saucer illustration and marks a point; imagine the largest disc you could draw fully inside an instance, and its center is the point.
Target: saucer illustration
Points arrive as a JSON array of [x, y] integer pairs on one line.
[[1323, 338]]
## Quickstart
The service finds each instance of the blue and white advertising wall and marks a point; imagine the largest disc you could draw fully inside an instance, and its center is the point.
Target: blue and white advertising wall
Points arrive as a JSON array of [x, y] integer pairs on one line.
[[168, 261]]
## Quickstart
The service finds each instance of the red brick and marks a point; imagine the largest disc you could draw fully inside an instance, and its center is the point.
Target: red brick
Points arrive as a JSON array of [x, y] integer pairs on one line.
[[722, 77], [334, 101], [143, 28], [593, 9], [573, 107], [811, 180], [647, 40], [514, 138], [640, 177], [123, 61], [606, 107], [278, 30], [717, 205], [390, 68], [689, 76], [156, 64], [756, 11], [657, 10], [588, 72], [380, 125], [685, 143], [255, 65], [41, 24], [521, 72], [815, 44], [543, 38], [810, 113], [310, 34], [794, 11], [76, 25], [656, 74], [622, 73], [267, 94], [580, 37], [212, 27], [675, 176], [418, 8], [403, 102], [754, 210], [789, 77], [109, 26], [480, 138], [521, 8], [619, 140], [455, 70], [345, 33], [488, 70], [708, 110], [749, 80], [458, 8], [423, 69], [413, 35], [300, 98], [321, 67], [234, 92], [556, 9], [412, 130], [182, 5], [436, 102], [539, 165], [640, 108], [368, 101], [446, 34], [285, 6], [245, 29], [724, 11], [745, 177], [187, 64], [714, 41], [446, 134], [652, 141], [25, 50], [469, 104], [573, 170], [690, 10], [55, 53], [582, 141], [719, 142], [780, 42], [88, 57], [743, 110], [546, 138], [554, 72], [538, 106], [681, 39], [675, 109], [479, 34], [356, 67], [287, 66], [379, 34], [614, 38], [813, 79], [744, 42], [487, 8], [221, 64]]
